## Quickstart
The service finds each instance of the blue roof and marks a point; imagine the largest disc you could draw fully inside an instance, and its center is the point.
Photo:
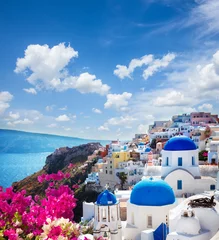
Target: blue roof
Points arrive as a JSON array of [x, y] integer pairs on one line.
[[180, 143], [141, 143], [152, 192], [106, 198], [147, 149]]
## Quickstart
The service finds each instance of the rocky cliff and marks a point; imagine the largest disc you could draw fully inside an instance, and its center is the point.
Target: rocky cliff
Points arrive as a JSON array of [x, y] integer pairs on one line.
[[59, 160], [62, 157]]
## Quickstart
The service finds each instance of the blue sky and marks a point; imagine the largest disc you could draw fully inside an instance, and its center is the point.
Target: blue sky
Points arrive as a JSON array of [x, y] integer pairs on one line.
[[106, 69]]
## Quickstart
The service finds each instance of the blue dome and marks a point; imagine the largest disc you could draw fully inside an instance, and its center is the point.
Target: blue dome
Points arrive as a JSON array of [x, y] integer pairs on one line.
[[152, 192], [180, 143], [141, 143], [106, 198], [147, 149]]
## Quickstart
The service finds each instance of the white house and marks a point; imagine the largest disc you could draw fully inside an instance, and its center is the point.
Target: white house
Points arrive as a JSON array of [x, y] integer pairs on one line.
[[133, 169], [194, 222], [180, 167]]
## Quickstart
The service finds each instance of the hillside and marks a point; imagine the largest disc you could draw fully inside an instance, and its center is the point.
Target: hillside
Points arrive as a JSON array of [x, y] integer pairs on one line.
[[60, 160]]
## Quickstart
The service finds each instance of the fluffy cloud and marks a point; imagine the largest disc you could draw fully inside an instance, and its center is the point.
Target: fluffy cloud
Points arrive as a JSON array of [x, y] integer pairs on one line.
[[62, 118], [123, 121], [84, 83], [49, 108], [63, 108], [52, 125], [157, 64], [5, 98], [103, 128], [173, 98], [30, 90], [207, 75], [154, 65], [117, 100], [96, 110], [123, 71], [48, 70], [46, 64], [14, 116], [25, 121], [205, 107]]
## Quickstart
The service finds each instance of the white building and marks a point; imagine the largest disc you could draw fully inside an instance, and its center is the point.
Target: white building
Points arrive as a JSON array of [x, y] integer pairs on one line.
[[180, 168], [107, 221], [196, 223], [148, 209], [92, 178], [133, 169], [213, 151]]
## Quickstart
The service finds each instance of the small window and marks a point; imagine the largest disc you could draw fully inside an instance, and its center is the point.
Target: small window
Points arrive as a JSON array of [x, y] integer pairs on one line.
[[212, 187], [111, 167], [106, 171], [193, 161], [167, 161], [180, 161], [110, 172], [132, 219], [110, 161], [149, 222], [179, 184]]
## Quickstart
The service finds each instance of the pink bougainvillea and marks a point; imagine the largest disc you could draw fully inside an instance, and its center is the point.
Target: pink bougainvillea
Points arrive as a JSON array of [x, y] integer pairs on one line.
[[24, 217]]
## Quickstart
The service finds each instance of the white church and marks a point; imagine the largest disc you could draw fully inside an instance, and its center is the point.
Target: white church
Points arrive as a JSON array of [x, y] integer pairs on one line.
[[154, 210], [180, 168]]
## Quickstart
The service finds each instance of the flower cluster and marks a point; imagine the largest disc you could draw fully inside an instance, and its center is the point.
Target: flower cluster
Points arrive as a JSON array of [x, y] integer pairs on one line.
[[27, 217]]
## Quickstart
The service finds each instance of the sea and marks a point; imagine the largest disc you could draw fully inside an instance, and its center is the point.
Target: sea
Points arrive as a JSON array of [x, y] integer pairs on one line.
[[24, 153]]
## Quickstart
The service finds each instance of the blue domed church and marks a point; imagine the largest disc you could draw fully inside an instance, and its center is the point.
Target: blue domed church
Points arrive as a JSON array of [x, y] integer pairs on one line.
[[180, 167], [148, 208]]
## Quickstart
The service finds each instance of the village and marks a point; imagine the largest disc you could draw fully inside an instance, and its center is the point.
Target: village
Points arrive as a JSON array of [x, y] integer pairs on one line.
[[160, 185]]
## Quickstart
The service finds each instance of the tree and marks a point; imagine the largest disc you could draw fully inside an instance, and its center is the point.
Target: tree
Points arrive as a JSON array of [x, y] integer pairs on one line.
[[123, 179], [153, 143]]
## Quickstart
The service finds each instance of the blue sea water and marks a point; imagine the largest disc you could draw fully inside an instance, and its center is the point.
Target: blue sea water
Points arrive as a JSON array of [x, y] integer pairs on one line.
[[22, 153]]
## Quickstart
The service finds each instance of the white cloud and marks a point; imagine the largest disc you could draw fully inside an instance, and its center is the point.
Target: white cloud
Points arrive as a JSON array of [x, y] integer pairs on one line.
[[63, 108], [48, 70], [207, 75], [62, 118], [5, 98], [52, 125], [14, 116], [25, 121], [67, 129], [123, 121], [173, 98], [84, 83], [30, 90], [205, 107], [46, 64], [154, 65], [117, 100], [96, 110], [103, 128], [50, 108], [73, 116], [123, 71], [157, 64], [205, 16], [87, 128]]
